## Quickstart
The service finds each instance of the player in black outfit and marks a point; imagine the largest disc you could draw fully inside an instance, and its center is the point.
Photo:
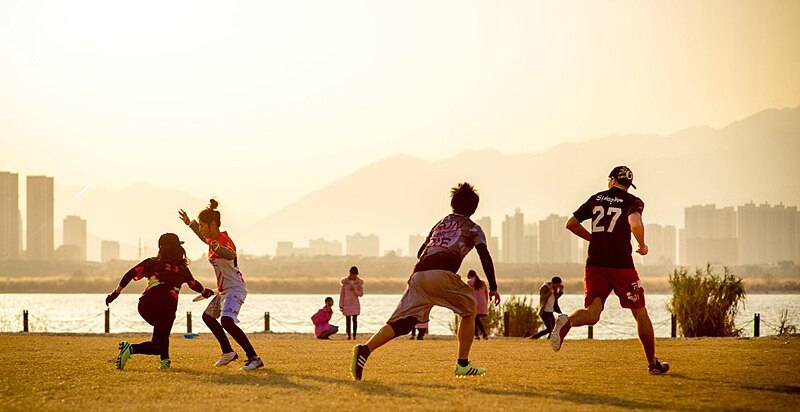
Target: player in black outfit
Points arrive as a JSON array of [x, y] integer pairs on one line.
[[165, 274]]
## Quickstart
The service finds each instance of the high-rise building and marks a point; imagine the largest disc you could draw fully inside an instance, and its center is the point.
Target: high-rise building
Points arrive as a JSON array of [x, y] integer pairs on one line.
[[322, 247], [284, 249], [661, 240], [555, 242], [414, 244], [109, 250], [363, 245], [710, 236], [10, 235], [530, 250], [75, 234], [514, 238], [492, 242], [768, 234], [40, 218]]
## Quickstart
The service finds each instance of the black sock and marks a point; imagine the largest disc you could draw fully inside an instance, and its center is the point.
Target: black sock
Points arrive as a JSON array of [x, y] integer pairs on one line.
[[463, 362], [364, 350]]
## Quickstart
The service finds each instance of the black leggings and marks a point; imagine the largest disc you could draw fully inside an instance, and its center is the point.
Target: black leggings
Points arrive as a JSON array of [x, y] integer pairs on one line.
[[237, 333], [355, 325], [161, 317], [549, 321], [479, 325]]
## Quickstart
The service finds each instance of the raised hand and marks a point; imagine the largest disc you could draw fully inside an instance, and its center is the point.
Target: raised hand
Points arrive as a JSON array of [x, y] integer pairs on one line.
[[184, 217]]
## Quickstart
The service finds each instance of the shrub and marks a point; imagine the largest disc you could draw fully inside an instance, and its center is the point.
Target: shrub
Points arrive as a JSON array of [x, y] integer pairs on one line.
[[785, 327], [523, 317], [706, 303]]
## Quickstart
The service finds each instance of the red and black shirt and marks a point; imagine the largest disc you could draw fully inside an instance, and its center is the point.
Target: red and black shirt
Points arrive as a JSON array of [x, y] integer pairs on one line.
[[610, 244], [164, 279]]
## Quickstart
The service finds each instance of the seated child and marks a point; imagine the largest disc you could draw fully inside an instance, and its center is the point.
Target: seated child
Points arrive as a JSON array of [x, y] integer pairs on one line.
[[323, 329]]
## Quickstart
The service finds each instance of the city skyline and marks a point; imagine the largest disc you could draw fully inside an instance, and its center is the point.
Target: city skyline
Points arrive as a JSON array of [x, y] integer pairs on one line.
[[743, 234]]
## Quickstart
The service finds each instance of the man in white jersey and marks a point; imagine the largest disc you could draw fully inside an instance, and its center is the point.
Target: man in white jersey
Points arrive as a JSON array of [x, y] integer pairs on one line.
[[435, 283]]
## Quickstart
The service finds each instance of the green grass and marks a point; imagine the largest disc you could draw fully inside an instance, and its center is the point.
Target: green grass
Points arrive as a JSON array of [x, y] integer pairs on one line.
[[66, 372]]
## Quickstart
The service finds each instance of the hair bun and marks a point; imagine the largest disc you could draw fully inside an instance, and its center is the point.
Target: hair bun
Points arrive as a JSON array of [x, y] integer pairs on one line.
[[212, 204]]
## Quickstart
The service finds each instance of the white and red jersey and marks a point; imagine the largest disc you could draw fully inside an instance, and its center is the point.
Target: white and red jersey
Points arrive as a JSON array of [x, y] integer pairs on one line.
[[222, 256]]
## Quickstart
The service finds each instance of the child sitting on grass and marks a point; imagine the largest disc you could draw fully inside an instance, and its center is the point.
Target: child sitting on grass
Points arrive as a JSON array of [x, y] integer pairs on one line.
[[322, 328]]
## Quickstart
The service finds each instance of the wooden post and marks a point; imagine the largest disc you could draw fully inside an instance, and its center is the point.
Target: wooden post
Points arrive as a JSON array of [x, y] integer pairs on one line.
[[266, 321], [674, 326], [189, 322], [25, 320], [506, 324], [757, 325], [591, 332], [108, 320]]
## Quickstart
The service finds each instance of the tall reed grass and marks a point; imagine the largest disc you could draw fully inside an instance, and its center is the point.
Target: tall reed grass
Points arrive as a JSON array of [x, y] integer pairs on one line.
[[706, 303]]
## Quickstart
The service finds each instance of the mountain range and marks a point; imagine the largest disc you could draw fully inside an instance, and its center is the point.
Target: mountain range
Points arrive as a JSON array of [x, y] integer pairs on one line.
[[754, 159]]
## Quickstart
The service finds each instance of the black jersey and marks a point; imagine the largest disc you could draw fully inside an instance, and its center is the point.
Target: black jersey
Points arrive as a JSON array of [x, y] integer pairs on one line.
[[610, 244], [164, 280]]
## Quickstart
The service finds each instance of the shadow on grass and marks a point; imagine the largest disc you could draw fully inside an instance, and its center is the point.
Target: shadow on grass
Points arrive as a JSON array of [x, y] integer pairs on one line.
[[269, 377], [566, 396], [788, 389]]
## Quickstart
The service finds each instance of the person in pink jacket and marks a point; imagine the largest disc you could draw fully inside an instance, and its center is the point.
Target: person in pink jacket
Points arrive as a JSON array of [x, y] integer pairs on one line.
[[322, 328], [481, 301], [352, 289]]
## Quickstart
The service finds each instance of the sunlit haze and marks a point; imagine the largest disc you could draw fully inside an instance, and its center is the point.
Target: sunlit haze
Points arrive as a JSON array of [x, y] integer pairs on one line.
[[261, 103]]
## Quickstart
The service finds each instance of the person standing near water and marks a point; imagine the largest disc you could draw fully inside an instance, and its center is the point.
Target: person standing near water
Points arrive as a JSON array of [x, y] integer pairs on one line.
[[352, 289]]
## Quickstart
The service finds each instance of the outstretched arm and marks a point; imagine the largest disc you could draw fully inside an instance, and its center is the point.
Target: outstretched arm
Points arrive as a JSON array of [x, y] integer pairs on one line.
[[135, 273], [577, 228]]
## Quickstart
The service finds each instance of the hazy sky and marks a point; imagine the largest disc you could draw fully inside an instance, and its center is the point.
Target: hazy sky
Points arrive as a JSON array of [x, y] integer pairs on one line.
[[260, 103]]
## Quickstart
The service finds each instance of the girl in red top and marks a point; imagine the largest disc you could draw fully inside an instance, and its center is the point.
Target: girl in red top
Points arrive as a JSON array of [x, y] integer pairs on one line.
[[231, 289], [165, 274]]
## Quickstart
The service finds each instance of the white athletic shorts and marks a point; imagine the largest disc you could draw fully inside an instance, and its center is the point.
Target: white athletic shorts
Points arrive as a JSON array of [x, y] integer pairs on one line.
[[228, 304]]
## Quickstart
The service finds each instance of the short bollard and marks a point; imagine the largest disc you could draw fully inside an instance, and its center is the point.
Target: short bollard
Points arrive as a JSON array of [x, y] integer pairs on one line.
[[506, 324], [25, 320], [757, 325], [189, 323], [266, 321], [108, 321], [674, 326], [591, 332]]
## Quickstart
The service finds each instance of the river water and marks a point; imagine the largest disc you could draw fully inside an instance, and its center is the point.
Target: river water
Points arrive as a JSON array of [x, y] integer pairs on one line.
[[84, 313]]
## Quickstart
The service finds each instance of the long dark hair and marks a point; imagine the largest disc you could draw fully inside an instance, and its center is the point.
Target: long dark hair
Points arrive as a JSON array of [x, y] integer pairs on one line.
[[478, 282], [174, 254], [210, 213]]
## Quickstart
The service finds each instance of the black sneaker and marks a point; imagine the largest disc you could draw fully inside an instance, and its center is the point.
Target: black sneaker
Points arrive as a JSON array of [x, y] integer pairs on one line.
[[658, 368], [360, 355]]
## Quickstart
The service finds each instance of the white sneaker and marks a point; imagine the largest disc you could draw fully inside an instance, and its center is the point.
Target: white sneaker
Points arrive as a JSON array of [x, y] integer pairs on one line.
[[253, 363], [227, 358]]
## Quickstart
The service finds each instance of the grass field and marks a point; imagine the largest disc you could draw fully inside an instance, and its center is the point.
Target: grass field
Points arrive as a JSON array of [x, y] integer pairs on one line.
[[76, 372]]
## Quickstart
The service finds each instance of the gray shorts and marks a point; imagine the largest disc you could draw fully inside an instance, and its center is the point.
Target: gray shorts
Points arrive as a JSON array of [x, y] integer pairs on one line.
[[228, 304], [434, 288]]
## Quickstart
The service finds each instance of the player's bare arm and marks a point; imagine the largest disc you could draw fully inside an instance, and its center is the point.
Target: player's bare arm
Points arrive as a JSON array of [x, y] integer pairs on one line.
[[574, 226], [488, 269], [637, 228]]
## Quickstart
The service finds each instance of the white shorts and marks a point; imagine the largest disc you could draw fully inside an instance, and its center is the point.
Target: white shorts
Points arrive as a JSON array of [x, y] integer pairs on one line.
[[228, 305]]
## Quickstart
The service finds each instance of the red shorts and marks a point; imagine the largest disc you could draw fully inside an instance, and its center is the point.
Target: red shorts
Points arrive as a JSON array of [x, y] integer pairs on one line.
[[599, 282]]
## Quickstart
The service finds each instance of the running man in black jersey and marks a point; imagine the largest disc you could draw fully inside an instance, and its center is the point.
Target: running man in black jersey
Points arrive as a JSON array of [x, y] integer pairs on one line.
[[165, 274], [435, 283], [615, 214]]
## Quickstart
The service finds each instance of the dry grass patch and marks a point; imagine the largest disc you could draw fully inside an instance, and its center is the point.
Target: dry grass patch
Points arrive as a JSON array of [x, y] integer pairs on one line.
[[62, 372]]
